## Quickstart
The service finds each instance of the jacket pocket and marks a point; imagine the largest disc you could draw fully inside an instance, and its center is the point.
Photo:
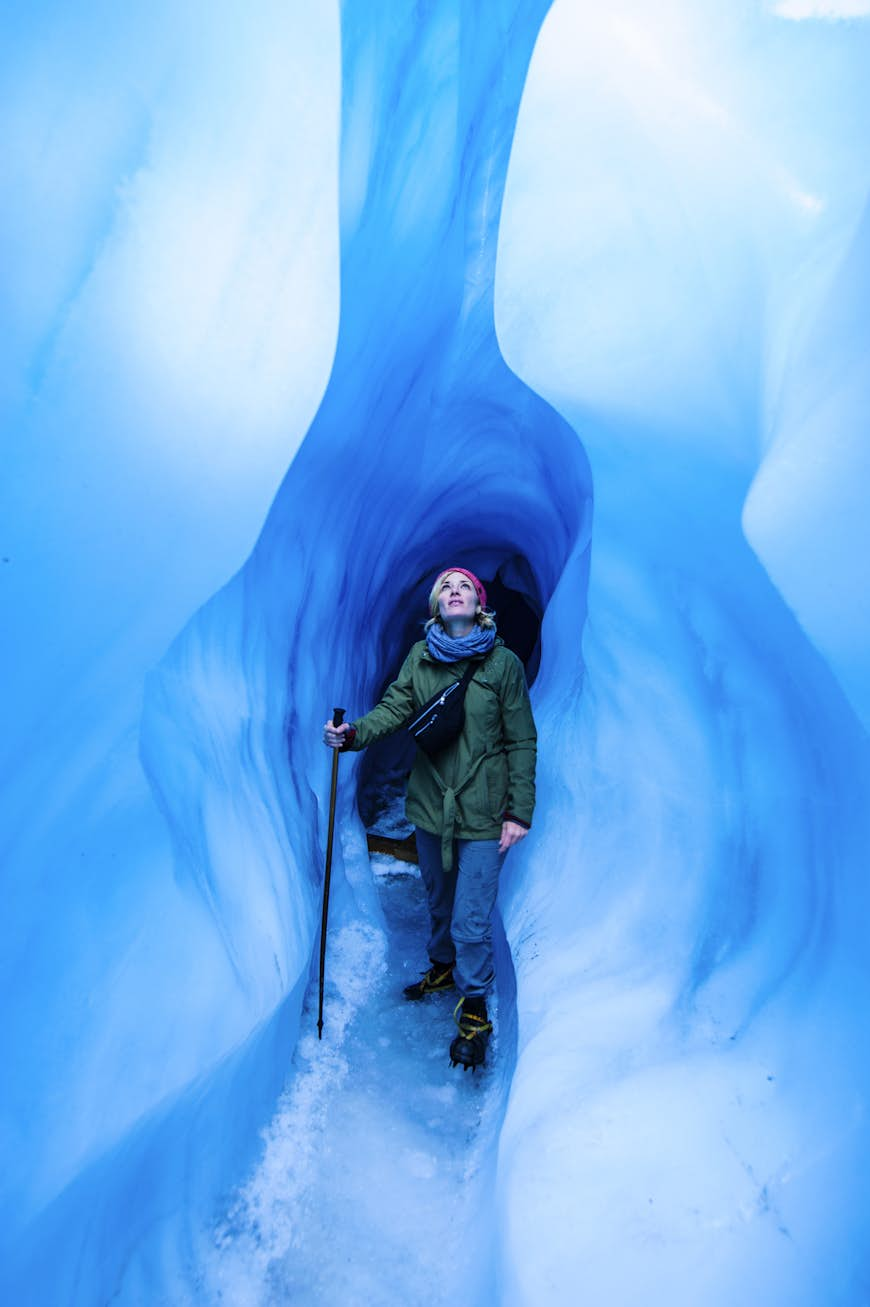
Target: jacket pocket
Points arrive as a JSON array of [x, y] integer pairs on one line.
[[485, 804], [495, 781]]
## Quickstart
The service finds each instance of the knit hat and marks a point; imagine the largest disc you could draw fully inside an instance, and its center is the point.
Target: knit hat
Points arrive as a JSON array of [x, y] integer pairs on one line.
[[481, 593]]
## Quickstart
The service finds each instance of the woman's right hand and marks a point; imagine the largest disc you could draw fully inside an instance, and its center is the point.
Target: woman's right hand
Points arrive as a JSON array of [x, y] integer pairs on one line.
[[334, 736]]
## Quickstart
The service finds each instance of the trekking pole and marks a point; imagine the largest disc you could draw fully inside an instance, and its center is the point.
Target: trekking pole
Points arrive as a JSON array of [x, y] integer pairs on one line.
[[337, 718]]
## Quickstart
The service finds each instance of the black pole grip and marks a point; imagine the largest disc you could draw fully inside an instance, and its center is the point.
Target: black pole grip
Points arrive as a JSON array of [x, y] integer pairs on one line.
[[337, 716]]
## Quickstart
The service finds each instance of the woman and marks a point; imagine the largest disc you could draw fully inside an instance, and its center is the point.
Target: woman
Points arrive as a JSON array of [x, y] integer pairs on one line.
[[472, 801]]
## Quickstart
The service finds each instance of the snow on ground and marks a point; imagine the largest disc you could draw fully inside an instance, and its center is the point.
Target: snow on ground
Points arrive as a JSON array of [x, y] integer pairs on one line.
[[376, 1178]]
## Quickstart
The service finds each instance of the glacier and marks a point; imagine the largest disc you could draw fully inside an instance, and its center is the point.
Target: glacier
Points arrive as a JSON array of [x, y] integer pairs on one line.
[[298, 306]]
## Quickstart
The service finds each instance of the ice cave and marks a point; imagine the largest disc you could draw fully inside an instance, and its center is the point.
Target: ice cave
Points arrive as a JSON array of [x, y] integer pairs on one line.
[[300, 304]]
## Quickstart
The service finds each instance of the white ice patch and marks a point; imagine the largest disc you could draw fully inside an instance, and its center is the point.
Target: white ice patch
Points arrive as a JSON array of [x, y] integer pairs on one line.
[[385, 865], [266, 1221]]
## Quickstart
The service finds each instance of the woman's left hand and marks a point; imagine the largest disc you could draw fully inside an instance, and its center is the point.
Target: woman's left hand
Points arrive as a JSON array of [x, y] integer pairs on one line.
[[511, 833]]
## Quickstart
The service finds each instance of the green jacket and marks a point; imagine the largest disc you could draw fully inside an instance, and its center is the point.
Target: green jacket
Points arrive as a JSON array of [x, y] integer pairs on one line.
[[489, 770]]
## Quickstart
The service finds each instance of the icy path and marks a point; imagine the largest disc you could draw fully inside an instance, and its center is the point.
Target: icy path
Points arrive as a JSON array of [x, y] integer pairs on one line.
[[375, 1183]]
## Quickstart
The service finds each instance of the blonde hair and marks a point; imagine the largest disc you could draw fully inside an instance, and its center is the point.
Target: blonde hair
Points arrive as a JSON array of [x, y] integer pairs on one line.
[[484, 617]]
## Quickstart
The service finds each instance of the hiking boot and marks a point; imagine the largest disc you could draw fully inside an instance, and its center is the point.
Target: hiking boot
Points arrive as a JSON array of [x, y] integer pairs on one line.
[[469, 1046], [438, 977]]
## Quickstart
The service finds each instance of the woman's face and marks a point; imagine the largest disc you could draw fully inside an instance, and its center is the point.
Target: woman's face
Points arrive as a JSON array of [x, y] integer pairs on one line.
[[457, 599]]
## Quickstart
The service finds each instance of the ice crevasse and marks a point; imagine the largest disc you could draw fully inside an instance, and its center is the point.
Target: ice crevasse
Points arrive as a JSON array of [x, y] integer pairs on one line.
[[568, 251]]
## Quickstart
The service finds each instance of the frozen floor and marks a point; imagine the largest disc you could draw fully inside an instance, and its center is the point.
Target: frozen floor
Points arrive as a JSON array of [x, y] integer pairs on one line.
[[375, 1183]]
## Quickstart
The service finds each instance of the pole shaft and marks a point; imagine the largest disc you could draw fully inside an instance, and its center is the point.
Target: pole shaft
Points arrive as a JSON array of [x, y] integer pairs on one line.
[[337, 715]]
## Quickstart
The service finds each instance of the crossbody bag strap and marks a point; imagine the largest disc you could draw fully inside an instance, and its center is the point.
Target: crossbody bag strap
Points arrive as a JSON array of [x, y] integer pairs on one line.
[[465, 679]]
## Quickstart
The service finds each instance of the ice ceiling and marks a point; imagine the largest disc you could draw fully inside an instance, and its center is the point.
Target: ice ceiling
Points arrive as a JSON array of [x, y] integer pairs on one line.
[[297, 306]]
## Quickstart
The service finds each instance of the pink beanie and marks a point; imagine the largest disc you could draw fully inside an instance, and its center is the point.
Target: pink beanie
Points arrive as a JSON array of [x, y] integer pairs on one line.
[[481, 593]]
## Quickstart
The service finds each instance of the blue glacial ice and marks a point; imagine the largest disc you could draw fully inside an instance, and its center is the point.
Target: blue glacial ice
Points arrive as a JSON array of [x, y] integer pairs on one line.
[[298, 306]]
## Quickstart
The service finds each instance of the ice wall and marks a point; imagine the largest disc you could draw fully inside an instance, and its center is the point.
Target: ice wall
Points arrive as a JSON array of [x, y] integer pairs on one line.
[[682, 273], [169, 303]]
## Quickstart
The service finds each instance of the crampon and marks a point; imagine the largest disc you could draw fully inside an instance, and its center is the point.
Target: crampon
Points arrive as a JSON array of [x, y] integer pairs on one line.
[[468, 1048]]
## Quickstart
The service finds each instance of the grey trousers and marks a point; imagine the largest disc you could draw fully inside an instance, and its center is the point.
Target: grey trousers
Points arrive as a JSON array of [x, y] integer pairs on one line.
[[461, 903]]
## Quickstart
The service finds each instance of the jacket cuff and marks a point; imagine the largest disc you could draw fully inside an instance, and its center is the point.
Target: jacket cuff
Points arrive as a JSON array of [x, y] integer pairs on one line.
[[509, 816], [349, 738]]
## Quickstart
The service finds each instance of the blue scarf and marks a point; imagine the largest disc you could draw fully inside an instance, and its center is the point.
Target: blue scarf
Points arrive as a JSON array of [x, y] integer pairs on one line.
[[452, 648]]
